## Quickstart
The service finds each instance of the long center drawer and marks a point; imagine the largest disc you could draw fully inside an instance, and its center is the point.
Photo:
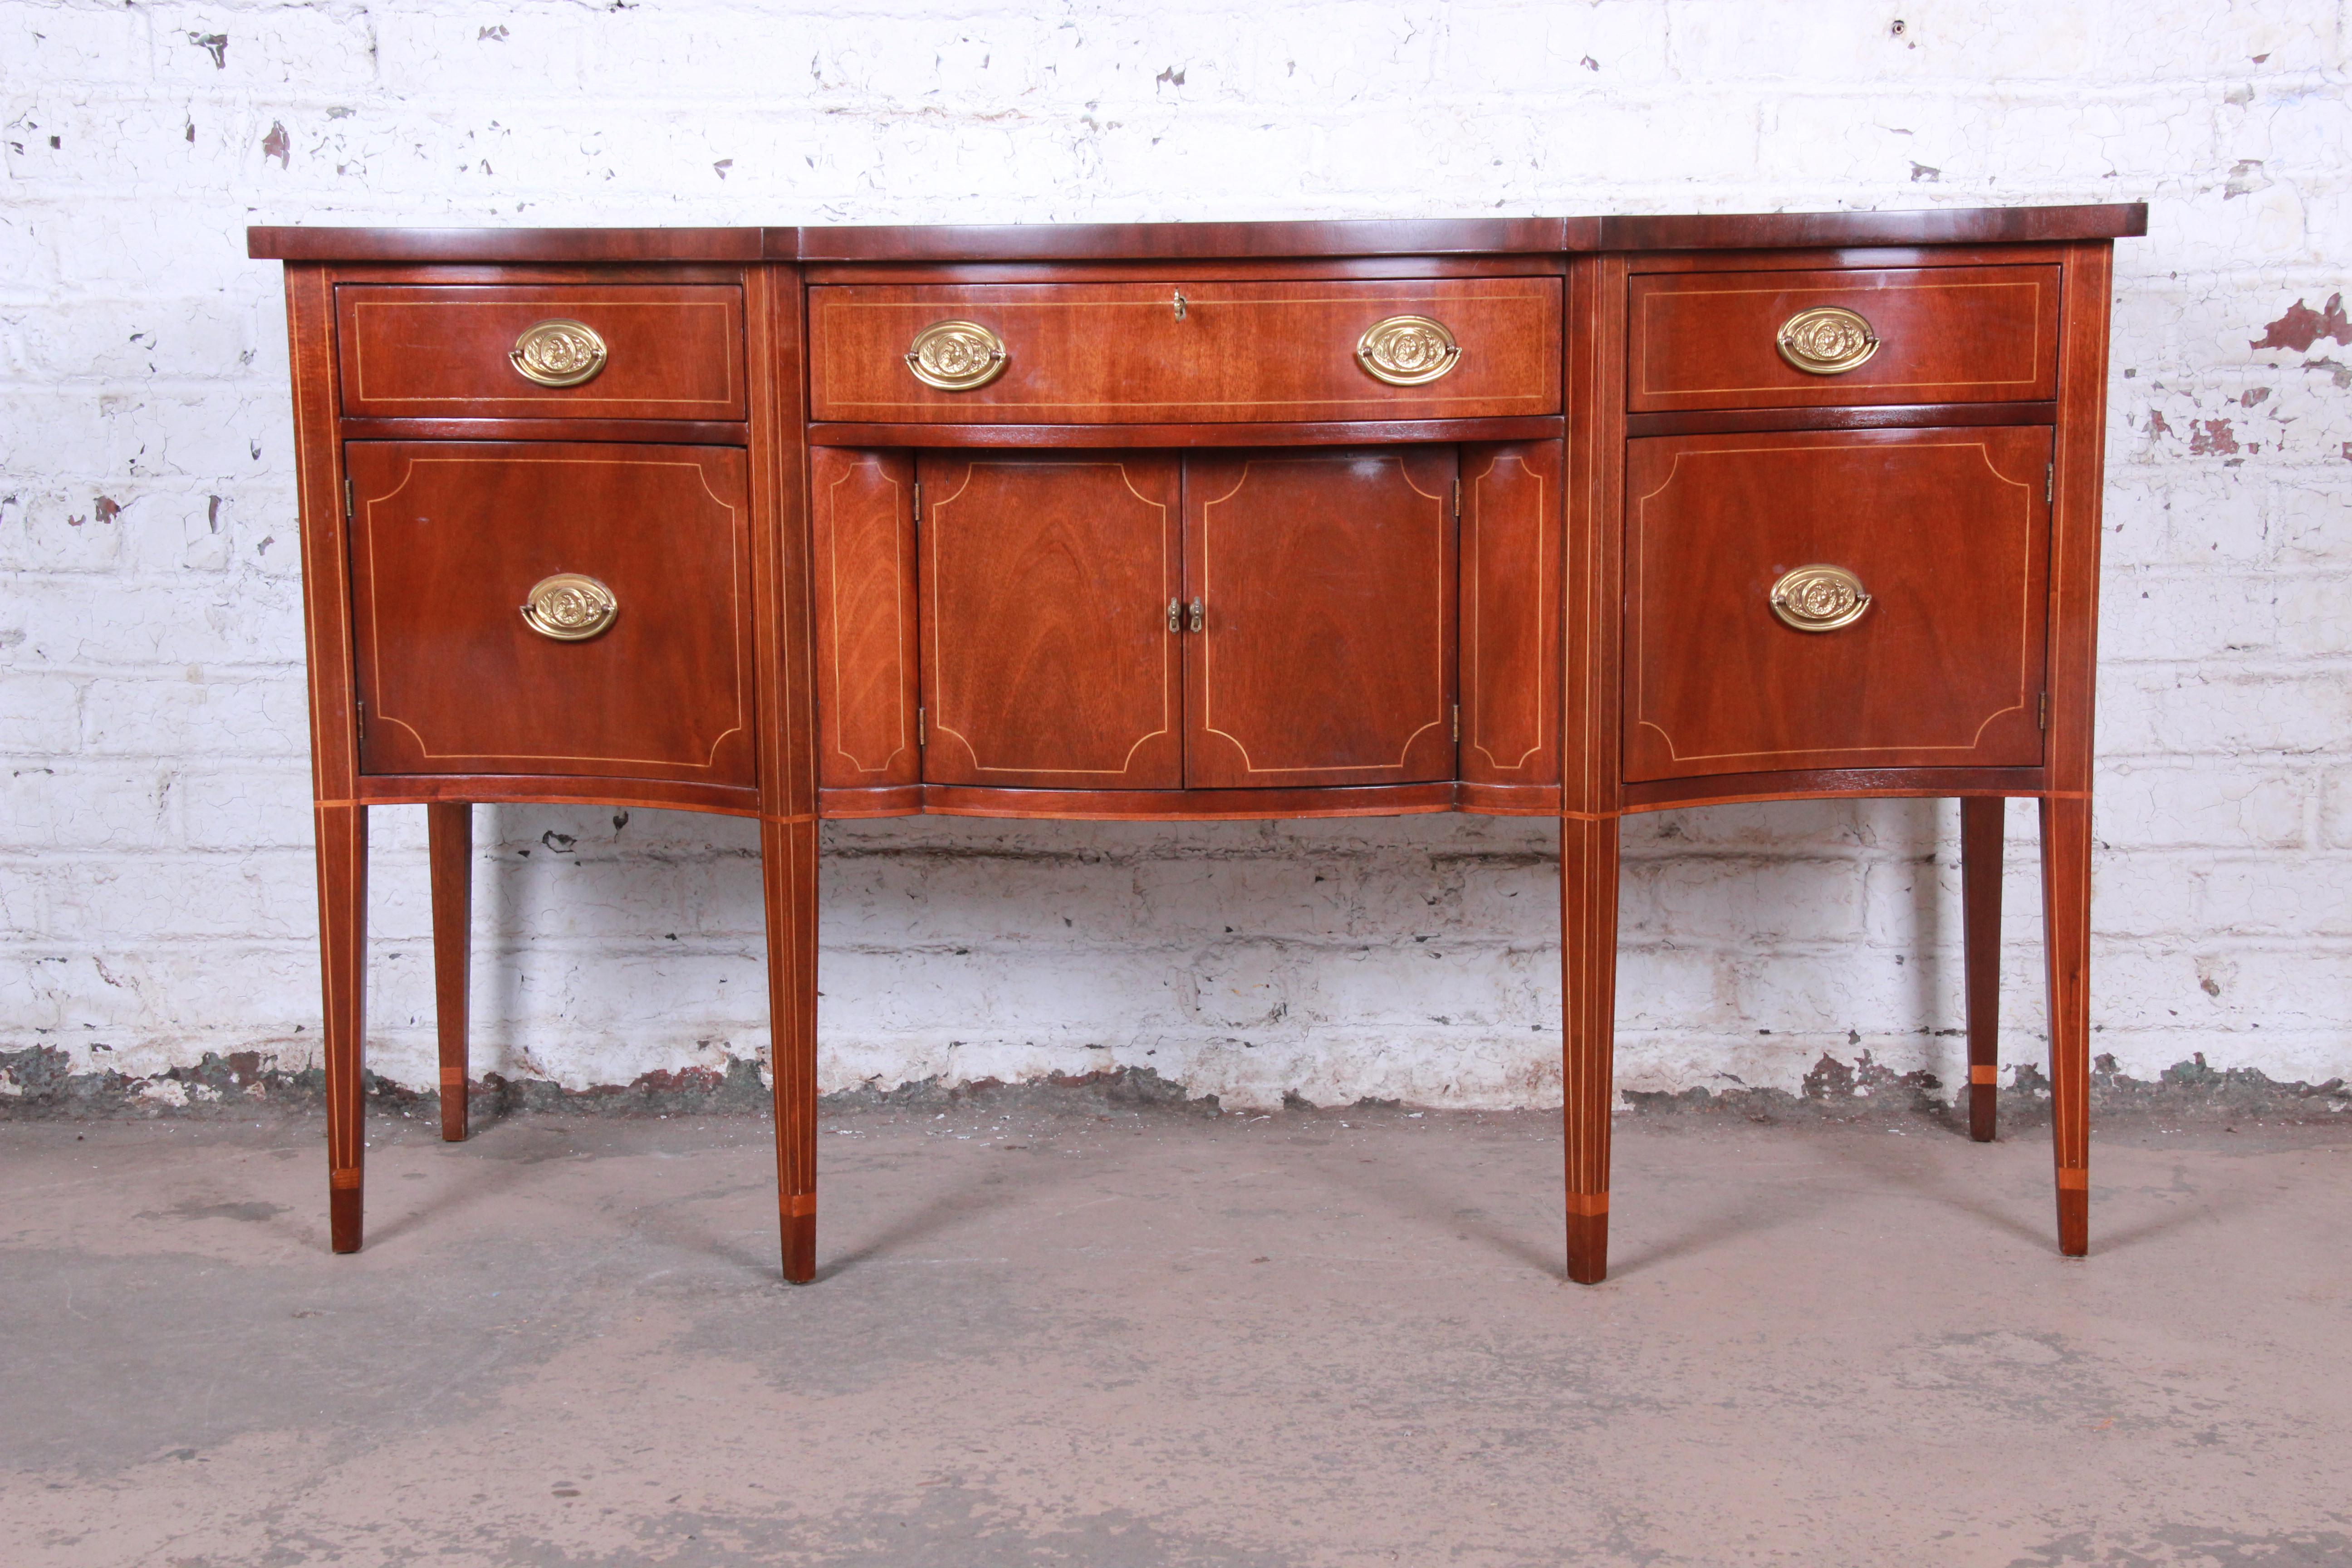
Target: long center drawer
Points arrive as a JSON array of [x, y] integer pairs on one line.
[[1092, 353]]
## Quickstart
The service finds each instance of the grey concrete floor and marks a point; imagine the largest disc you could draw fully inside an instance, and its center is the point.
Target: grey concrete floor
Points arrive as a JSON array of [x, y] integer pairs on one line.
[[1069, 1336]]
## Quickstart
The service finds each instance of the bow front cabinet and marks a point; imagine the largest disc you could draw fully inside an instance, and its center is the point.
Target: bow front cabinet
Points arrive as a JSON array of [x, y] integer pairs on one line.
[[1557, 517]]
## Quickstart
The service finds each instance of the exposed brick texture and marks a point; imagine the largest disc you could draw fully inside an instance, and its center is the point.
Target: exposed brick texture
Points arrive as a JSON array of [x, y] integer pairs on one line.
[[154, 873]]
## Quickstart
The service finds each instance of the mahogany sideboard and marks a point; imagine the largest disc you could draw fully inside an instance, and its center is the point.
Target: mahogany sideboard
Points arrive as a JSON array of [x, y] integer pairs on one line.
[[1559, 517]]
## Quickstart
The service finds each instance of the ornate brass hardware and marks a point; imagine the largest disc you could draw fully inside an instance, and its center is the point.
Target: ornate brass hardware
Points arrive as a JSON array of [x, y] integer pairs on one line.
[[1819, 598], [558, 353], [1826, 340], [570, 607], [1407, 351], [1195, 621], [1180, 304], [956, 356], [1175, 616]]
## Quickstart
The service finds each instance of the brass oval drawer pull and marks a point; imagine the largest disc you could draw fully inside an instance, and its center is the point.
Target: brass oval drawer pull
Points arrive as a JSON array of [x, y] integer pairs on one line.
[[558, 353], [957, 356], [570, 607], [1826, 340], [1407, 351], [1819, 598]]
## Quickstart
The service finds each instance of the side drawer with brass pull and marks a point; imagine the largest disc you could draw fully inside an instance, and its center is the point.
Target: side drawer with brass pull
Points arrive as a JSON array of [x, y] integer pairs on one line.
[[1273, 351], [1724, 340], [542, 352], [632, 655]]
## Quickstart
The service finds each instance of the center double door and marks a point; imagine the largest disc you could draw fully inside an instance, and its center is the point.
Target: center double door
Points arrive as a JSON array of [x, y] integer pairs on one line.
[[1214, 620]]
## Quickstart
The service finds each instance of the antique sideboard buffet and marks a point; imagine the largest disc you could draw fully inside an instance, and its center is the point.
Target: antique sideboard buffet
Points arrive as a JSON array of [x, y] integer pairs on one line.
[[1557, 517]]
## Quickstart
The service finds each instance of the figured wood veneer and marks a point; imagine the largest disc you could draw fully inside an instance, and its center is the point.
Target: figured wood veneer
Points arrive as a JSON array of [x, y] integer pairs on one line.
[[1090, 354]]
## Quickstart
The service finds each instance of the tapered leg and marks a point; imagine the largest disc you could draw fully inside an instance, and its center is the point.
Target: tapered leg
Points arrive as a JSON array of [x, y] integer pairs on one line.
[[1981, 862], [450, 828], [2066, 933], [1587, 899], [342, 969], [788, 866]]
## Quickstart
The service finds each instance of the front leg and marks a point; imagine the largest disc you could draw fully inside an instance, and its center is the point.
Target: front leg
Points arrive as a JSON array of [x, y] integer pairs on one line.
[[2066, 934], [788, 871], [1587, 899], [342, 969]]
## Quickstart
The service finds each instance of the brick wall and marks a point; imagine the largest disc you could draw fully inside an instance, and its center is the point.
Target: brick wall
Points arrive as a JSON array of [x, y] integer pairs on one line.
[[154, 866]]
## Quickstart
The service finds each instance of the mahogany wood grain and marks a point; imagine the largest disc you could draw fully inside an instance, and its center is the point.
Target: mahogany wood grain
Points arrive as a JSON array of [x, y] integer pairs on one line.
[[784, 622], [1821, 783], [1156, 241], [1512, 509], [342, 844], [1927, 225], [1233, 270], [449, 833], [1190, 241], [862, 513], [437, 351], [305, 243], [600, 275], [683, 432], [1946, 334], [1326, 650], [556, 789], [898, 799], [1886, 416], [1047, 657], [2066, 940], [325, 544], [1592, 773], [1947, 531], [450, 538], [1845, 258], [1982, 835], [2079, 470], [1189, 804], [1506, 799], [1313, 433], [1095, 354]]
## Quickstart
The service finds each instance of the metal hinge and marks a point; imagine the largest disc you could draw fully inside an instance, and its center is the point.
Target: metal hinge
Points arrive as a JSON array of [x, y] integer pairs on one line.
[[2045, 719], [922, 739], [1457, 501], [2049, 483], [1457, 723], [347, 500], [359, 712], [919, 500]]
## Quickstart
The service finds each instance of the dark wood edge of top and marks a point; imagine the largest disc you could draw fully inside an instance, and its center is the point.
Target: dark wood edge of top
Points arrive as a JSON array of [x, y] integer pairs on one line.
[[1202, 241]]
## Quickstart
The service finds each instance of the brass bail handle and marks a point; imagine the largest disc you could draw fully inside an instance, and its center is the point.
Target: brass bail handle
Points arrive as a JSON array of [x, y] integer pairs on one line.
[[570, 607], [558, 353], [957, 356], [1179, 304], [1819, 598], [1408, 351], [1826, 340]]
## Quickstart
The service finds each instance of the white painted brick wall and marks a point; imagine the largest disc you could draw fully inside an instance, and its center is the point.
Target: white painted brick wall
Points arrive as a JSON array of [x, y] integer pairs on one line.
[[154, 873]]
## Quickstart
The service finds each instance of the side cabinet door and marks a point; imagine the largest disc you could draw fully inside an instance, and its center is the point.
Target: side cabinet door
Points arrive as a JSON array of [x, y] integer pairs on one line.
[[862, 510], [1048, 661], [1511, 558], [1945, 530], [1326, 585]]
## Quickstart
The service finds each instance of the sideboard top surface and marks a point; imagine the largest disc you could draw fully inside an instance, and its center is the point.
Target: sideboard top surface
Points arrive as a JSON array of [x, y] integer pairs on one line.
[[1203, 241]]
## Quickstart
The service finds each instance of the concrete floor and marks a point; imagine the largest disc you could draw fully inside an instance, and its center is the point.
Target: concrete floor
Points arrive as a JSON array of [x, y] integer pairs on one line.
[[1071, 1336]]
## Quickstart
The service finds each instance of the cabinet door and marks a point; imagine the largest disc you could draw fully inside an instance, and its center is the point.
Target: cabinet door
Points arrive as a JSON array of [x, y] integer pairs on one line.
[[1511, 561], [1049, 661], [1946, 531], [452, 541], [862, 522], [1326, 586]]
